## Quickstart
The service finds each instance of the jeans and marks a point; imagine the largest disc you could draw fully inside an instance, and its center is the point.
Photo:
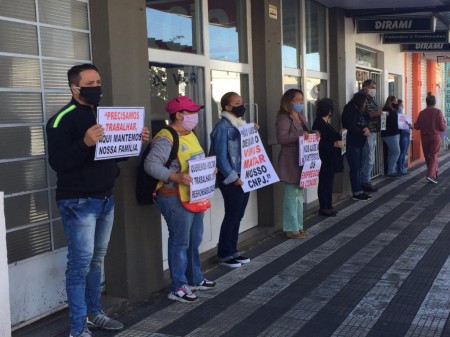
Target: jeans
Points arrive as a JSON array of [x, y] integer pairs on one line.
[[235, 203], [325, 190], [369, 157], [404, 144], [185, 236], [393, 144], [354, 159], [292, 208], [87, 225]]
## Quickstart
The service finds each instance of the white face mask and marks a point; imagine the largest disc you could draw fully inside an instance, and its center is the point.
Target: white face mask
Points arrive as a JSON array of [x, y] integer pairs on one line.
[[372, 92]]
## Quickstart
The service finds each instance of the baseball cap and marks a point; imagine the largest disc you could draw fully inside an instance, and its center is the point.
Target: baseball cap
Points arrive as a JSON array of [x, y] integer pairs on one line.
[[182, 103]]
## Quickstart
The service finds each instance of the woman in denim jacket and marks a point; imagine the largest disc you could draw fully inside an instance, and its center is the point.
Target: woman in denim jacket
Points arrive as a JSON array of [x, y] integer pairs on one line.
[[226, 146]]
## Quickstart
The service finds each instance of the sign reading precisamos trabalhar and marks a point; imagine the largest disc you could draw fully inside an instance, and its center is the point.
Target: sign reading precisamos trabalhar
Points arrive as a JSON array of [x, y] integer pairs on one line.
[[202, 172], [256, 169], [123, 127]]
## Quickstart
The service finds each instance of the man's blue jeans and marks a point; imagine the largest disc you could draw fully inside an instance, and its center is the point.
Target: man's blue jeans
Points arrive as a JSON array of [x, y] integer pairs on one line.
[[355, 162], [404, 144], [87, 224], [369, 157], [393, 144], [235, 200], [185, 236]]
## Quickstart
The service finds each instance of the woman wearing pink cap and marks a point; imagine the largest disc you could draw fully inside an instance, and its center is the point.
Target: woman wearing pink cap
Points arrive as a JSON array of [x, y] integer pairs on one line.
[[184, 219]]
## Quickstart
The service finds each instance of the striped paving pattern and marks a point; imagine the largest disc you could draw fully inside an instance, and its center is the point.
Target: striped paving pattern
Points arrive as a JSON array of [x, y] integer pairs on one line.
[[380, 268]]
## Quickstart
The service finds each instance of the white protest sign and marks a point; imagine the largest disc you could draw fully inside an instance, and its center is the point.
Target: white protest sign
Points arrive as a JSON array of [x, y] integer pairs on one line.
[[403, 122], [202, 172], [344, 141], [256, 169], [123, 127], [309, 156], [383, 120], [308, 149]]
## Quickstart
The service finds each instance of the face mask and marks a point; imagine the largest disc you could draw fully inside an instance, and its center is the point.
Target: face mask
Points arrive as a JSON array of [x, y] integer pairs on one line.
[[372, 92], [400, 109], [238, 111], [297, 107], [92, 95], [189, 122]]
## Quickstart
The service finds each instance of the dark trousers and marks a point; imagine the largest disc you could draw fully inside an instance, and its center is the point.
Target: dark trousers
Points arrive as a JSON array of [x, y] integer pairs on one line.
[[325, 189], [355, 161], [235, 203]]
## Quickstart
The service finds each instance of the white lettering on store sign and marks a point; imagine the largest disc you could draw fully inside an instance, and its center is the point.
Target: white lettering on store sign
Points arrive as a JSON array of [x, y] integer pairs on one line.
[[393, 24]]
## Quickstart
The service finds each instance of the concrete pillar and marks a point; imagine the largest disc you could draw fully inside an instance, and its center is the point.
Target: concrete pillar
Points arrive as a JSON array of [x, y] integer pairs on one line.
[[133, 266], [268, 89], [5, 311], [416, 102]]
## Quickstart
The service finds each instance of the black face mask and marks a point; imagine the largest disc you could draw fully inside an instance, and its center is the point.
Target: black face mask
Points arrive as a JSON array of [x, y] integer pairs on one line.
[[92, 95], [239, 110]]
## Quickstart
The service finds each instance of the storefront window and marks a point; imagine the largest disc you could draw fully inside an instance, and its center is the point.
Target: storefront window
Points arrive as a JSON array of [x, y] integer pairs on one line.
[[171, 80], [227, 30], [223, 82], [316, 36], [175, 25], [291, 82], [315, 90], [291, 34], [366, 58]]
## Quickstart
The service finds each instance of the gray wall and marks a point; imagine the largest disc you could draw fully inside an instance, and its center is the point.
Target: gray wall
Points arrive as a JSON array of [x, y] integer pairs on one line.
[[133, 265]]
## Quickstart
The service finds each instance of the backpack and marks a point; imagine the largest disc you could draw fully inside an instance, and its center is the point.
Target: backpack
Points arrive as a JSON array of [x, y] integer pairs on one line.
[[145, 183]]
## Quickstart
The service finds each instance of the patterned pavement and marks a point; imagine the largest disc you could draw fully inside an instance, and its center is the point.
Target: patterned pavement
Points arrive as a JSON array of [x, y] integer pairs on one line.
[[378, 269]]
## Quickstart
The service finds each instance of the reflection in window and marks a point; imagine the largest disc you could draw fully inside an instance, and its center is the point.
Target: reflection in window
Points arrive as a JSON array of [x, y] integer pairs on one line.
[[178, 28], [291, 82], [291, 33], [227, 30], [223, 82], [315, 90], [316, 37], [171, 80], [366, 58]]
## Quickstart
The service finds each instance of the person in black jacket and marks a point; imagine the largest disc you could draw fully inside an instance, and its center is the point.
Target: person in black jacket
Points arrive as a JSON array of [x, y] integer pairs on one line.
[[357, 133], [330, 141], [391, 136], [84, 195]]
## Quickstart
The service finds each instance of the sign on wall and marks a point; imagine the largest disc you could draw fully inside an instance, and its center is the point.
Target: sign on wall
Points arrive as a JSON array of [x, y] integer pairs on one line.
[[391, 24], [426, 47], [439, 37]]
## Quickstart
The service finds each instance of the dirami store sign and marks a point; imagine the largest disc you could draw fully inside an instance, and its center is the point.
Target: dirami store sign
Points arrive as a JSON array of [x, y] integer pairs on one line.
[[409, 24], [426, 47]]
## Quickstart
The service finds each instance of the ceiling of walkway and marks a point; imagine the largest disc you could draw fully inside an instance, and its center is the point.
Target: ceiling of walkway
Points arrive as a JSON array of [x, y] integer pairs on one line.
[[364, 8]]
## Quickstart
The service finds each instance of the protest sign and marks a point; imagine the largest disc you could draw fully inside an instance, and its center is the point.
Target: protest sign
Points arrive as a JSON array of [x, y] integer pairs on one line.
[[123, 127], [403, 122], [344, 141], [202, 172], [383, 120], [309, 159], [256, 169]]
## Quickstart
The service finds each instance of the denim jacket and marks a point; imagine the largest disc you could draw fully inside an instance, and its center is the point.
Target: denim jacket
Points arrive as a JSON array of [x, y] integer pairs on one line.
[[226, 146]]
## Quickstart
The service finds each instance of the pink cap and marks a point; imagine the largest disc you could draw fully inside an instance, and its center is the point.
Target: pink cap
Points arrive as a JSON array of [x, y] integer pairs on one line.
[[182, 103]]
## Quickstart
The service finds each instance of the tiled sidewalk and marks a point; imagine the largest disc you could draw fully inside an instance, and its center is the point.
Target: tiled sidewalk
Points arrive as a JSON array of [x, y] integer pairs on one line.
[[380, 268]]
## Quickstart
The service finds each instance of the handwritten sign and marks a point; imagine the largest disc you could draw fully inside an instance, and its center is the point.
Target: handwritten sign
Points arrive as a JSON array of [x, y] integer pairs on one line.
[[403, 122], [310, 160], [123, 127], [203, 178], [383, 120], [344, 141], [256, 169]]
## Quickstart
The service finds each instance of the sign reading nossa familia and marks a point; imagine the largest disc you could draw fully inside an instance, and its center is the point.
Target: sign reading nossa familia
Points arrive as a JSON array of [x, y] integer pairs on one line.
[[123, 127], [391, 24], [256, 169]]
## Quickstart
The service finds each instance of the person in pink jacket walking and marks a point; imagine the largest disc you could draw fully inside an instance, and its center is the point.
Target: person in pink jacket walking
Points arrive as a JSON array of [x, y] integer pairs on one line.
[[431, 123]]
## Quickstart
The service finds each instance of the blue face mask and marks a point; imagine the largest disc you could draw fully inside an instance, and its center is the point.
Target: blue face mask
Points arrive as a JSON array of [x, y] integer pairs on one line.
[[297, 107]]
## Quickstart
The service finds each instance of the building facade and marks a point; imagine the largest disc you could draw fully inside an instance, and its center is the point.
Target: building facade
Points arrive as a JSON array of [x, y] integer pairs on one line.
[[148, 52]]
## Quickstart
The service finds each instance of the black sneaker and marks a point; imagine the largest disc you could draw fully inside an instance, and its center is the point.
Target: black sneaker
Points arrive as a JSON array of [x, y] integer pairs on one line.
[[101, 321], [361, 197], [204, 285], [368, 187], [242, 259], [183, 294], [231, 263]]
